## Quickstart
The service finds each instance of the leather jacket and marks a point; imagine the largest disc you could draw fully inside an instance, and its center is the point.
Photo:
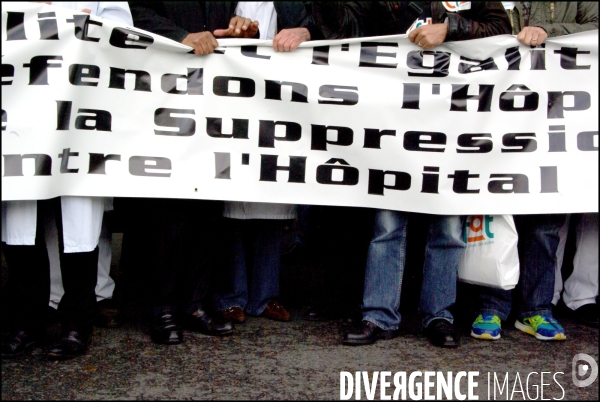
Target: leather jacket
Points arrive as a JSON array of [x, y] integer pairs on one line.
[[482, 20], [340, 20]]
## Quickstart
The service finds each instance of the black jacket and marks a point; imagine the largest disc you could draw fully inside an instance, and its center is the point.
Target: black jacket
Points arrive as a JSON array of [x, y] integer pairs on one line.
[[176, 19], [293, 14], [339, 20]]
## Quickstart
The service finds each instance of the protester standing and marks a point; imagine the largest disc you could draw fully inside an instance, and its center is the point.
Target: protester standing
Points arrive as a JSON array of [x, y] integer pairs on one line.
[[79, 221], [533, 23], [179, 232], [429, 24], [254, 230]]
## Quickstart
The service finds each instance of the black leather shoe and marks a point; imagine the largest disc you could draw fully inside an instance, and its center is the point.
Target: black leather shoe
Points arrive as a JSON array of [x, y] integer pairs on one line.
[[201, 322], [16, 343], [587, 315], [367, 334], [442, 333], [317, 314], [71, 345], [165, 330]]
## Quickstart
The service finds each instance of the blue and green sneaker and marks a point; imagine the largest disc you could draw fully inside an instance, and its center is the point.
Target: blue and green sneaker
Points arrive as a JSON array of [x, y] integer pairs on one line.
[[543, 327], [486, 326]]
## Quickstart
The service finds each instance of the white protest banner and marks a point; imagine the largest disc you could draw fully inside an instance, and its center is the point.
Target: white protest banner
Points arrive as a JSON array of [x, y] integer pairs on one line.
[[91, 107]]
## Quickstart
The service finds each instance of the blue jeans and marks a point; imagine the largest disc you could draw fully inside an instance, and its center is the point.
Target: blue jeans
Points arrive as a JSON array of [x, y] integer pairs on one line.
[[538, 241], [384, 270], [254, 260], [443, 251]]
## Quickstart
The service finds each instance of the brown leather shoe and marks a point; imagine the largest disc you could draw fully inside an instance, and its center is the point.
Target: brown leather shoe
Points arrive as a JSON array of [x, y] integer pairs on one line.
[[234, 314], [107, 317], [276, 311]]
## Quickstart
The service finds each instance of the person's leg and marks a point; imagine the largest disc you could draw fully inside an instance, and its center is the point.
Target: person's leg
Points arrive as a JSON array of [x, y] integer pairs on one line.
[[203, 252], [443, 251], [384, 270], [266, 264], [383, 280], [76, 308], [355, 233], [538, 241], [107, 313], [344, 237], [201, 237], [440, 271], [78, 220], [165, 227], [560, 254], [52, 247], [495, 305], [581, 288], [495, 302], [156, 231], [234, 287], [28, 286], [105, 285]]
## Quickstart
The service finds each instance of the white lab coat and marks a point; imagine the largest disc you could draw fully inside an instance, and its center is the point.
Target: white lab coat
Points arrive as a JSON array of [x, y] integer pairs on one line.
[[81, 216], [581, 287], [81, 219], [116, 11], [264, 12]]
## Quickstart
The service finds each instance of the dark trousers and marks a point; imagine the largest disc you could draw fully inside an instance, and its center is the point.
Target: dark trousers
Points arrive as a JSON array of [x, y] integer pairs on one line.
[[344, 236], [252, 261], [29, 281], [171, 245], [538, 241]]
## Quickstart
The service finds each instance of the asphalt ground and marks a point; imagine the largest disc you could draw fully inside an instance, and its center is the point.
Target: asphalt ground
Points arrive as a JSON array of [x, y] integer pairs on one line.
[[301, 359]]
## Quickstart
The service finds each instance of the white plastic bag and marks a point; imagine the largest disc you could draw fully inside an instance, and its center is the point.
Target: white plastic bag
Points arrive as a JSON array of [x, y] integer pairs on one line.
[[491, 257]]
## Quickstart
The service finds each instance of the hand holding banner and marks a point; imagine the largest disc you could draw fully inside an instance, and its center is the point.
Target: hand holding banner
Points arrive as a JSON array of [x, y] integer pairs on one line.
[[485, 126]]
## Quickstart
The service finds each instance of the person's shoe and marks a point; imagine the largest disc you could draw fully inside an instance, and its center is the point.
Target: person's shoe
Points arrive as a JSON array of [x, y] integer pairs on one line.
[[201, 322], [486, 326], [543, 327], [165, 330], [234, 314], [16, 343], [107, 316], [587, 315], [367, 334], [441, 333], [317, 314], [275, 311], [71, 345]]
